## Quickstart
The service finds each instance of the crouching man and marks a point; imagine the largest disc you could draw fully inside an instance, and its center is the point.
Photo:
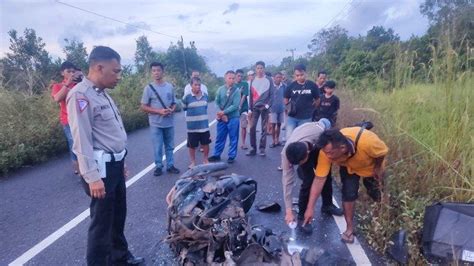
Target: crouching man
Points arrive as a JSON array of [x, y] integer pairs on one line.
[[359, 153], [301, 150]]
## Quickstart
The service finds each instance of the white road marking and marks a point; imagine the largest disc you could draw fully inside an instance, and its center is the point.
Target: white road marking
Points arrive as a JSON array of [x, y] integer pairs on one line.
[[49, 240], [356, 250]]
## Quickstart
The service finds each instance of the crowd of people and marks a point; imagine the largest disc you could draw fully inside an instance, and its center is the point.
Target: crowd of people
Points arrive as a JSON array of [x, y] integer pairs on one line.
[[307, 110]]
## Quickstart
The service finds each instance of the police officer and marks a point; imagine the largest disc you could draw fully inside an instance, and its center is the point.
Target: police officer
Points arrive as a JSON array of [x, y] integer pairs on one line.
[[99, 143]]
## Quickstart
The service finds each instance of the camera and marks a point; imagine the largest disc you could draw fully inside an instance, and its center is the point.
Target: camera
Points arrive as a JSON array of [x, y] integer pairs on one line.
[[78, 77]]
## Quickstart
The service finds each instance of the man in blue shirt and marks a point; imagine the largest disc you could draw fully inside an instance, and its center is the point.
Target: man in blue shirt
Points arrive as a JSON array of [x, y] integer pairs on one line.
[[158, 101]]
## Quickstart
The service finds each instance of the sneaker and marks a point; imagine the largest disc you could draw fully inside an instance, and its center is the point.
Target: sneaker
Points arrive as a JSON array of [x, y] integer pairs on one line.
[[252, 152], [133, 260], [172, 170], [231, 160], [262, 153], [332, 210], [158, 171], [273, 145], [214, 158]]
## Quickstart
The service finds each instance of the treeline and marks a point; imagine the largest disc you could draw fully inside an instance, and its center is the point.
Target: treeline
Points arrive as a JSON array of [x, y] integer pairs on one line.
[[380, 60], [29, 68], [31, 131]]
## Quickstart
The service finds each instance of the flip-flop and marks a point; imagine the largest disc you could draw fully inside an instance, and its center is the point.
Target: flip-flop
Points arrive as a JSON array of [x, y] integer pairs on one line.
[[349, 239]]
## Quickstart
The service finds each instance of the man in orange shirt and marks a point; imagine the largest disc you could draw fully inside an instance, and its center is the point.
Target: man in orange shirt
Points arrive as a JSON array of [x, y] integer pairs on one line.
[[59, 93], [359, 153]]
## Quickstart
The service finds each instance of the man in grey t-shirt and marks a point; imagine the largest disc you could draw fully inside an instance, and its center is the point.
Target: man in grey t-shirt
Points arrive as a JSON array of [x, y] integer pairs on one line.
[[159, 102]]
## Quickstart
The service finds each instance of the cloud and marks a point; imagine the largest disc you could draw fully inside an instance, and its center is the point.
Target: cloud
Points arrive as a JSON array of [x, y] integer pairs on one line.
[[403, 16], [183, 17], [231, 9], [90, 29]]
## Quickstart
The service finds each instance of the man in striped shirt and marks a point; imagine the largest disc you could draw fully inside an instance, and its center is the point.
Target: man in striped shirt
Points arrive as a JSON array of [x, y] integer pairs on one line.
[[197, 121]]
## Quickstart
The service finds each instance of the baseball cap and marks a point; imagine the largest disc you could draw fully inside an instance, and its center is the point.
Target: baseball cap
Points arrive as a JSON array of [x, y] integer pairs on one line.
[[250, 72], [325, 123]]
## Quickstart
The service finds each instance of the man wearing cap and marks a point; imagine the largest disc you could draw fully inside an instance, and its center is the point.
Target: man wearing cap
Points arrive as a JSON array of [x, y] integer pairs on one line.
[[99, 142], [300, 149]]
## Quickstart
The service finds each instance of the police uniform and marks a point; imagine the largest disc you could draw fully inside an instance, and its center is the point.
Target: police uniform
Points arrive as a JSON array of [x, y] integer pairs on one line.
[[99, 143]]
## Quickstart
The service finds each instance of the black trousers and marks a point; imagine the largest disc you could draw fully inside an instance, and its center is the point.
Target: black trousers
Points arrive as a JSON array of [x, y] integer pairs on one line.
[[256, 113], [106, 242], [306, 174]]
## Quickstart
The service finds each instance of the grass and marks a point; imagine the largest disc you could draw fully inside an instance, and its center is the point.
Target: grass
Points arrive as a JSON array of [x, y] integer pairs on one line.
[[429, 129]]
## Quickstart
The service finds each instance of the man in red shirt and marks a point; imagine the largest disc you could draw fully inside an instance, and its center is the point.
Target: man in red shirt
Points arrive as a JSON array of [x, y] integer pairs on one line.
[[59, 92]]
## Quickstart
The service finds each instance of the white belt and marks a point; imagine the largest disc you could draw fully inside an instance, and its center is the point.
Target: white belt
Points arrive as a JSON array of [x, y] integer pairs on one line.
[[101, 157], [107, 157]]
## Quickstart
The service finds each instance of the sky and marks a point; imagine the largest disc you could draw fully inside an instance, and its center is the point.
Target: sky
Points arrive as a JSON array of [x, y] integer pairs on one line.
[[229, 34]]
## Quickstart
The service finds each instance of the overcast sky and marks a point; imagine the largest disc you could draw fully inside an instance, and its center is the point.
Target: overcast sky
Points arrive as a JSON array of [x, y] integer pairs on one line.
[[229, 34]]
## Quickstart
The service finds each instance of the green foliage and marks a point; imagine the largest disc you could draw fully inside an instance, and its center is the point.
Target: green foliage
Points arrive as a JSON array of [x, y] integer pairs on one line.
[[28, 66], [31, 131]]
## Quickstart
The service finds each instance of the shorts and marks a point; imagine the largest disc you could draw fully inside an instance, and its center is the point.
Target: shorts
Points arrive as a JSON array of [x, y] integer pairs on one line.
[[276, 118], [196, 138], [350, 186], [244, 120]]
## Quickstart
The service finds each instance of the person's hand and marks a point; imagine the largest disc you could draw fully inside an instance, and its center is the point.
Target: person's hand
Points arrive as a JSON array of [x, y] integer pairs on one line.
[[97, 189], [308, 216], [289, 217], [378, 173], [163, 112], [126, 172], [69, 81]]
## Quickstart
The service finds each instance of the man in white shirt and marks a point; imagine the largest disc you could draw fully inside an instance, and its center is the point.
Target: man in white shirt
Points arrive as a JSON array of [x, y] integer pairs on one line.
[[187, 89]]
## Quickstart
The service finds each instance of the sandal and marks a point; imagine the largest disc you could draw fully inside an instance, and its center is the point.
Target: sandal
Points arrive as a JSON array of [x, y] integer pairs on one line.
[[347, 238]]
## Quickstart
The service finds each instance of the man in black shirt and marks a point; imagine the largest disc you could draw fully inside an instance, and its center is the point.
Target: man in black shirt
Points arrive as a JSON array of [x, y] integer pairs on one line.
[[303, 94]]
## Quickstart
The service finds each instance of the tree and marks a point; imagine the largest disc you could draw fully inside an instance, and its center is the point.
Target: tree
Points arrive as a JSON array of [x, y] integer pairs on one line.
[[76, 53], [28, 66], [144, 54], [451, 18], [332, 44], [378, 36]]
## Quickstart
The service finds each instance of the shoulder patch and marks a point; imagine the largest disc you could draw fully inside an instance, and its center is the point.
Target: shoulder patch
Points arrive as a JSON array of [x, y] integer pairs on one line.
[[82, 104]]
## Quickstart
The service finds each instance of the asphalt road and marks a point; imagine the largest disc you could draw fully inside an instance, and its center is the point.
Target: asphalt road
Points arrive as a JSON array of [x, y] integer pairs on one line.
[[36, 201]]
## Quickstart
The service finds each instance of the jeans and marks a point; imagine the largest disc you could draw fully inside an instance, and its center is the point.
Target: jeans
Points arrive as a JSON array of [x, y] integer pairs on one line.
[[253, 128], [292, 123], [160, 136], [230, 128], [67, 133]]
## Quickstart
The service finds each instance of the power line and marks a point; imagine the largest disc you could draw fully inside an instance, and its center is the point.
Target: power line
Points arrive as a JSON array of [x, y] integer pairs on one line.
[[338, 14], [116, 20]]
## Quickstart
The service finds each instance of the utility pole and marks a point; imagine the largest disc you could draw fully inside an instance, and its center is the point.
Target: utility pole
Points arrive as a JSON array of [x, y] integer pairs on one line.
[[292, 51], [184, 57]]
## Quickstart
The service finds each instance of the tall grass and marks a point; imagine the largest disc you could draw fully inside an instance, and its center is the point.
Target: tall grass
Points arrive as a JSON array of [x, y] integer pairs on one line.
[[430, 132]]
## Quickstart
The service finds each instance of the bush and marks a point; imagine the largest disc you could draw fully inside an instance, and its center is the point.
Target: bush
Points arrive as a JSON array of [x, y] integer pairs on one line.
[[31, 131], [428, 128]]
